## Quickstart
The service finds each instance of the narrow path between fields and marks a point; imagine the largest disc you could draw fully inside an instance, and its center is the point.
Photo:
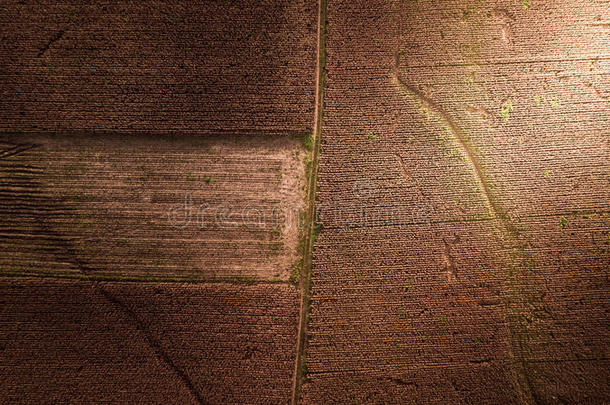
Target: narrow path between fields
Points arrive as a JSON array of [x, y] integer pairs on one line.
[[305, 281]]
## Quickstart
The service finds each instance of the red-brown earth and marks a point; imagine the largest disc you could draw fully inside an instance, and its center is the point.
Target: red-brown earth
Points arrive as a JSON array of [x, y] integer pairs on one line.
[[464, 205], [77, 341], [152, 208], [102, 177], [163, 67], [463, 247]]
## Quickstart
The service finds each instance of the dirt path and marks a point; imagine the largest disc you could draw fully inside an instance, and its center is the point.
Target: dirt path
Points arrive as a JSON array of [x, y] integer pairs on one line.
[[495, 211], [305, 281]]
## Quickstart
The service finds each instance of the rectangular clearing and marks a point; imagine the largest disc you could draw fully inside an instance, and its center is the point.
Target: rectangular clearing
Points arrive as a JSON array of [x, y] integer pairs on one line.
[[150, 208]]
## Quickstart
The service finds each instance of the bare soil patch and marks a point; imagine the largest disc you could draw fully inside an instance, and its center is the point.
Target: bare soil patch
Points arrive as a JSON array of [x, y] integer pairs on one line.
[[152, 208]]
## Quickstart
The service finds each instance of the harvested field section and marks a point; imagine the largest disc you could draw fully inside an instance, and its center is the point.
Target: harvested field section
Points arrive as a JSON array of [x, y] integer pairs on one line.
[[151, 208], [188, 67], [440, 272], [567, 347], [527, 87], [431, 305], [66, 341]]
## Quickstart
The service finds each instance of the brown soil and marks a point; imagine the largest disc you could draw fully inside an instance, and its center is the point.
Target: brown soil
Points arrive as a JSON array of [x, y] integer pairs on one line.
[[71, 341], [461, 251], [463, 256], [179, 67], [152, 208]]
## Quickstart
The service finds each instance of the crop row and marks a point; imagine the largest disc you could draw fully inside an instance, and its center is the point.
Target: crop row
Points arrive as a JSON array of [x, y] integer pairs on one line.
[[461, 255], [116, 342], [220, 209], [190, 67]]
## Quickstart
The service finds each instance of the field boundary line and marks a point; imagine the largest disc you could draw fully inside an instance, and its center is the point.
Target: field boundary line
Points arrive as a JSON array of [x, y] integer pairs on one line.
[[305, 279], [117, 278]]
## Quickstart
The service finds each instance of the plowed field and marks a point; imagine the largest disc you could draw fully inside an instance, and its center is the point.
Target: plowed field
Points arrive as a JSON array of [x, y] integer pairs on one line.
[[464, 206], [75, 341], [437, 174], [150, 208], [163, 66]]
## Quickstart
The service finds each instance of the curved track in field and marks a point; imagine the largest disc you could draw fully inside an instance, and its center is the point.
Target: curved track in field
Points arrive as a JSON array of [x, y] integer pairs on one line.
[[494, 210]]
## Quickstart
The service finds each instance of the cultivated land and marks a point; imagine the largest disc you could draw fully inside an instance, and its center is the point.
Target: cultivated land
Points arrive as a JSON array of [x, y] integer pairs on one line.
[[151, 208], [76, 341], [456, 154], [463, 183], [159, 143], [162, 66]]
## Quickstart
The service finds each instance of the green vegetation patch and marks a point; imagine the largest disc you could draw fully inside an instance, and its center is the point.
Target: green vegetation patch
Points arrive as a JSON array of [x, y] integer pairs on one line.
[[554, 102], [308, 141], [506, 109], [371, 136]]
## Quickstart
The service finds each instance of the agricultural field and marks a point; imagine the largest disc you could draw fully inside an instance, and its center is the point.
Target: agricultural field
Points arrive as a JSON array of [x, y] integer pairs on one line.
[[151, 208], [332, 202], [464, 205], [75, 341], [179, 67], [152, 194]]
